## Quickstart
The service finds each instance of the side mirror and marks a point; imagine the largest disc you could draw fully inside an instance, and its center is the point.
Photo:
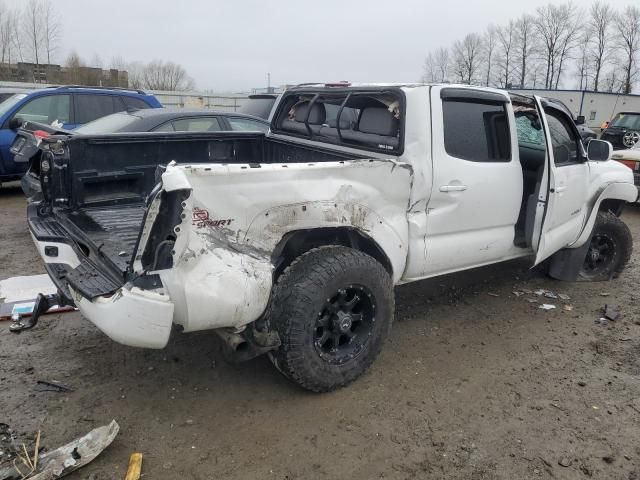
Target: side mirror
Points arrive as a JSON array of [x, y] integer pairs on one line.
[[15, 123], [599, 150], [580, 120]]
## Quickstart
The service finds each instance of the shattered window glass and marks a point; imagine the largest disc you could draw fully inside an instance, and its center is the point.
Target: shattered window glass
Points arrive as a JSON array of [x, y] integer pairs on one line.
[[528, 133]]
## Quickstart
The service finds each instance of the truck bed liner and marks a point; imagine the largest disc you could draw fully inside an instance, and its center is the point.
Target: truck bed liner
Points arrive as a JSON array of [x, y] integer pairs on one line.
[[113, 231]]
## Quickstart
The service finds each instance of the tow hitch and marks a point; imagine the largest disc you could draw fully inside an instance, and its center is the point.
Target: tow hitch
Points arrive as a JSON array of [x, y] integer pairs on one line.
[[43, 303]]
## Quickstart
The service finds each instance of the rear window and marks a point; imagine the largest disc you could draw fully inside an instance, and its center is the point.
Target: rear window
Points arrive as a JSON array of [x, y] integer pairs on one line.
[[367, 120]]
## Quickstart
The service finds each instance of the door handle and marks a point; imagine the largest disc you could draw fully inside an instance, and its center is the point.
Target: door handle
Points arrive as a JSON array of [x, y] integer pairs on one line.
[[453, 188]]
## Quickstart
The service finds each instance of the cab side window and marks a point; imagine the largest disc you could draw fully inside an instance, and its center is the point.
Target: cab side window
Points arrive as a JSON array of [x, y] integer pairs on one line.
[[476, 131], [47, 109], [563, 139]]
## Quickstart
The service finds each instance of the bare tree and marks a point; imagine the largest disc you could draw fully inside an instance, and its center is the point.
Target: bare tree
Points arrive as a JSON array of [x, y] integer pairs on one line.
[[159, 75], [557, 27], [583, 60], [74, 69], [51, 28], [32, 29], [506, 48], [601, 17], [490, 39], [467, 58], [628, 38], [442, 63], [524, 45], [135, 74], [429, 69]]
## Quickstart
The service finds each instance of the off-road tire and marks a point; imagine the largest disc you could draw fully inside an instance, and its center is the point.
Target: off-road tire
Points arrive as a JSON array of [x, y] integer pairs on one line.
[[611, 229], [299, 295]]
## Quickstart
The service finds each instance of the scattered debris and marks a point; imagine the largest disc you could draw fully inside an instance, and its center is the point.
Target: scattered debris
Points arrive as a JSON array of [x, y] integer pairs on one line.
[[582, 383], [611, 312], [549, 294], [8, 447], [135, 467], [604, 294], [493, 294], [532, 300], [564, 462], [547, 306], [568, 308], [518, 294], [66, 459], [52, 386], [540, 292], [564, 296], [603, 322]]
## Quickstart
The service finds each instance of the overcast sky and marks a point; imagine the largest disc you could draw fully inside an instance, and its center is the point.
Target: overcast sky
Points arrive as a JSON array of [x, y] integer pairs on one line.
[[231, 45]]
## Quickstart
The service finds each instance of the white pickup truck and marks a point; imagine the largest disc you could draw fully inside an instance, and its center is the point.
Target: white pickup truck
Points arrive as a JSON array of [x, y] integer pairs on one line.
[[291, 243]]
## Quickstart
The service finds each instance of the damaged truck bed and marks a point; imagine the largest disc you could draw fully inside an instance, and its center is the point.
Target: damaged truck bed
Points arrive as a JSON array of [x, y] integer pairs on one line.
[[290, 243]]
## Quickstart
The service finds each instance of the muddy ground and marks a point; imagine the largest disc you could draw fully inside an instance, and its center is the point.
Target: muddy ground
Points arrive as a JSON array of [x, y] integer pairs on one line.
[[474, 383]]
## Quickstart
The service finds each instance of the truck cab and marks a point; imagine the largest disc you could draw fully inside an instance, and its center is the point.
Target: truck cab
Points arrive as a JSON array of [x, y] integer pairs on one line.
[[290, 243]]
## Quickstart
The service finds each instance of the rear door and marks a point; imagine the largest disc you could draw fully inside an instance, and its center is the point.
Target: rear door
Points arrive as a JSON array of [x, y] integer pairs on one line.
[[560, 216], [477, 180]]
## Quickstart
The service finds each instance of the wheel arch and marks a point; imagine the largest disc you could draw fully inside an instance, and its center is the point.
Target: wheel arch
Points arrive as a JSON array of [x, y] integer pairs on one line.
[[297, 242]]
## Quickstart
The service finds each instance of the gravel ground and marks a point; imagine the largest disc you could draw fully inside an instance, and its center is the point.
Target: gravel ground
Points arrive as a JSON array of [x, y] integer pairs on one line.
[[474, 383]]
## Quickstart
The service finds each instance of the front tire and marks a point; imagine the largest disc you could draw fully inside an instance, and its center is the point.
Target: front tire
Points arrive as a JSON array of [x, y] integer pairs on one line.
[[332, 308], [609, 251]]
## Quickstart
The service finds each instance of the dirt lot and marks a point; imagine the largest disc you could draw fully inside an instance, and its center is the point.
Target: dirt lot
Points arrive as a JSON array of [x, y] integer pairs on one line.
[[474, 383]]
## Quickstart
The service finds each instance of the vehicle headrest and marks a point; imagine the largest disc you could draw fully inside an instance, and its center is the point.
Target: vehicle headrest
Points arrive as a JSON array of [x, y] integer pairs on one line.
[[316, 117], [378, 120], [345, 124]]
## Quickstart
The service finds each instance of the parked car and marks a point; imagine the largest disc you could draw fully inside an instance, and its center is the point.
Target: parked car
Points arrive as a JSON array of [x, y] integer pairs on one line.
[[291, 243], [630, 158], [69, 107], [25, 145], [623, 130], [259, 105]]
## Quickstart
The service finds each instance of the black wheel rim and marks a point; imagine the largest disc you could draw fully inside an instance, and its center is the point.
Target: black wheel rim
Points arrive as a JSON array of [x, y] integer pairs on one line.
[[344, 324], [600, 255]]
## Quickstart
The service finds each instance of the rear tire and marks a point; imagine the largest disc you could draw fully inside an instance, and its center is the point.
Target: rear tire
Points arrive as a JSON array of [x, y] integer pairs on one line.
[[609, 251], [332, 308]]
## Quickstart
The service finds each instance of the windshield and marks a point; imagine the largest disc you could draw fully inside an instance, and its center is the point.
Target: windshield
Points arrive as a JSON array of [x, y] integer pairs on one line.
[[258, 107], [10, 102], [116, 122], [626, 120]]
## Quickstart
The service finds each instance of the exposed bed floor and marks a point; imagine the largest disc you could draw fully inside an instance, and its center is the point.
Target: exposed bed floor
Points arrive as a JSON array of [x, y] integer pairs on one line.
[[114, 231]]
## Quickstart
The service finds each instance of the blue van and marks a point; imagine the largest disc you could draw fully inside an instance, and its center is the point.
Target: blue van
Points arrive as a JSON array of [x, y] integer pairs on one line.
[[69, 107]]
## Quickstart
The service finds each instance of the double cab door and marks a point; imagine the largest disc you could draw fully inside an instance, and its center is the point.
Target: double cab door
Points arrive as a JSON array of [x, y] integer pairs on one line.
[[481, 199]]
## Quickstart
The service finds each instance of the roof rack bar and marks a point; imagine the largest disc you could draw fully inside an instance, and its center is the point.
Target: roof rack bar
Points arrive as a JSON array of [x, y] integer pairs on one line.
[[136, 90]]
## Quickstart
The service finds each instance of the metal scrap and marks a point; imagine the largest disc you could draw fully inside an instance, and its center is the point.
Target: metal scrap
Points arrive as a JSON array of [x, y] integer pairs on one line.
[[612, 312], [68, 458], [52, 386]]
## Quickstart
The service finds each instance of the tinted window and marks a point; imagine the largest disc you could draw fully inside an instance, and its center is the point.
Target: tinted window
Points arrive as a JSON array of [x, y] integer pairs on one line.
[[132, 102], [565, 144], [626, 120], [246, 125], [167, 127], [475, 131], [47, 109], [200, 124], [91, 107], [258, 107]]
